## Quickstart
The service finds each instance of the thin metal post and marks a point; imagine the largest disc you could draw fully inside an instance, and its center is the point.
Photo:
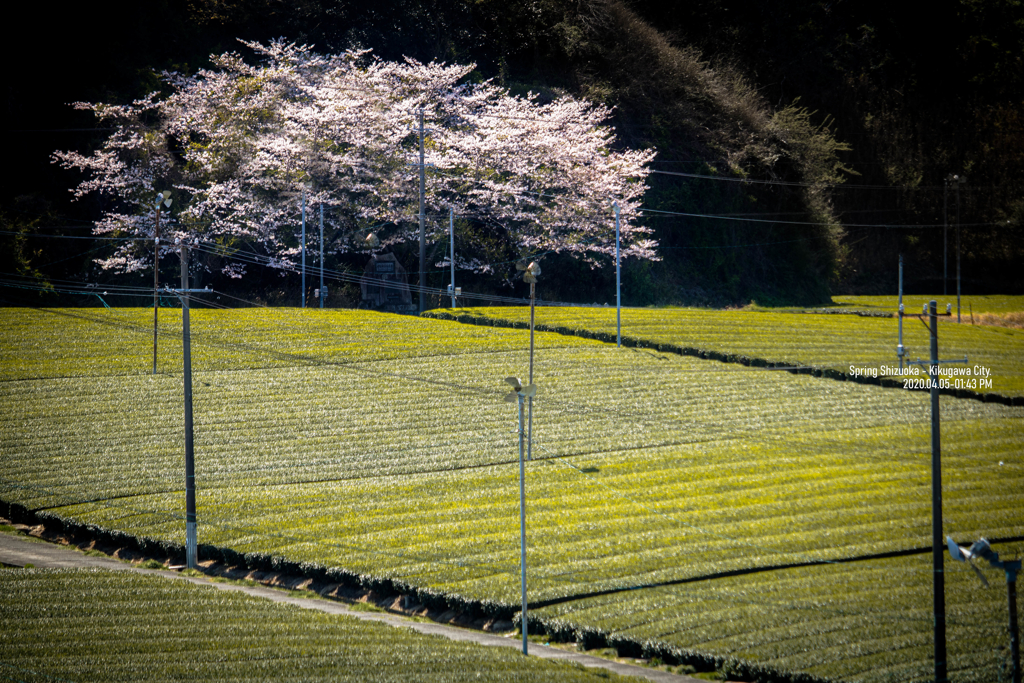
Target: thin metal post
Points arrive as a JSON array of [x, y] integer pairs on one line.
[[618, 281], [423, 239], [322, 297], [939, 585], [303, 247], [899, 347], [451, 232], [945, 232], [522, 523], [156, 281], [1011, 592], [958, 249], [190, 475], [529, 440]]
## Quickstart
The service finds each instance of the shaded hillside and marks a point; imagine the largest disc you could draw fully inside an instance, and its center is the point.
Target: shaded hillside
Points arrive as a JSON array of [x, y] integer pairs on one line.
[[917, 102]]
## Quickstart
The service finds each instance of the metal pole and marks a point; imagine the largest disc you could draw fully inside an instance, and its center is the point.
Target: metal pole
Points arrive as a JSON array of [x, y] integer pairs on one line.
[[322, 297], [618, 281], [958, 249], [156, 281], [522, 522], [945, 232], [1011, 592], [529, 440], [303, 247], [451, 232], [190, 475], [939, 595], [423, 239], [899, 347]]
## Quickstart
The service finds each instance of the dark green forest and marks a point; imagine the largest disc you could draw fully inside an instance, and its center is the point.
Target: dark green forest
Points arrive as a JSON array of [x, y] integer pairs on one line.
[[843, 120]]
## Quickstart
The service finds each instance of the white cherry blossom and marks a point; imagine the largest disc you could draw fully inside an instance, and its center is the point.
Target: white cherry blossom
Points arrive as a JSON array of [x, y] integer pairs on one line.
[[241, 144]]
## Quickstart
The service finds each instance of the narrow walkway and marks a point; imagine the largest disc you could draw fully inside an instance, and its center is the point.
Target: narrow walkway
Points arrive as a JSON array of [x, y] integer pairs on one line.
[[19, 551]]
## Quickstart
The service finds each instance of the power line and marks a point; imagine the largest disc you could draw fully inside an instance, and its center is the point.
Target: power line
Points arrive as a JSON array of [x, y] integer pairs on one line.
[[815, 224], [77, 237], [834, 186]]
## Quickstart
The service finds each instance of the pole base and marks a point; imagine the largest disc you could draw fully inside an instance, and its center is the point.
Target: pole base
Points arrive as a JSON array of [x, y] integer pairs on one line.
[[190, 545]]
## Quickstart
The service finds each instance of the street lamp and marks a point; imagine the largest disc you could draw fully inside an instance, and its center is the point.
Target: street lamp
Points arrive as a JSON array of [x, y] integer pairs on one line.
[[520, 393], [982, 549], [531, 271], [165, 199]]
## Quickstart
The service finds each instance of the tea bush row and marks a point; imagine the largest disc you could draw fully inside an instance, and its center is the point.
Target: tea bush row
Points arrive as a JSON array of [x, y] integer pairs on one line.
[[86, 625]]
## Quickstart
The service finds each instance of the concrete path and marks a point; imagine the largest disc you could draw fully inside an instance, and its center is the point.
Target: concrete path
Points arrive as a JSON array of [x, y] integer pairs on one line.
[[19, 551]]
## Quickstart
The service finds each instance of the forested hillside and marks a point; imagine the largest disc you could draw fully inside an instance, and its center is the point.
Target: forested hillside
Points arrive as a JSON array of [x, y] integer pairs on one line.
[[844, 119]]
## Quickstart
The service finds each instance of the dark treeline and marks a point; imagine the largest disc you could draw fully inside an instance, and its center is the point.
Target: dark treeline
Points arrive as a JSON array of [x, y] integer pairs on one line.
[[804, 93]]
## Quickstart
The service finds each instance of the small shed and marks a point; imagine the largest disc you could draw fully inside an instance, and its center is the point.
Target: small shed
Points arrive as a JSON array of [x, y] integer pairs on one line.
[[385, 285]]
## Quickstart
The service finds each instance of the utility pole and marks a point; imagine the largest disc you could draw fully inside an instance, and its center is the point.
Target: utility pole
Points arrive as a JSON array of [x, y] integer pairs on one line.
[[1011, 593], [618, 281], [959, 180], [156, 279], [423, 239], [166, 200], [190, 471], [522, 523], [939, 585], [451, 233], [945, 233], [322, 297], [303, 247], [900, 351], [533, 300]]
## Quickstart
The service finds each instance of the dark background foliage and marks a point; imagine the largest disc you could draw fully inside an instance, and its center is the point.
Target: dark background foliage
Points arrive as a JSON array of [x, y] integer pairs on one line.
[[711, 84]]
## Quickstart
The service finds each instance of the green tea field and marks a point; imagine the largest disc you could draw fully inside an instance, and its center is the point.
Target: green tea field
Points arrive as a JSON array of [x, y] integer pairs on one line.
[[800, 338], [974, 304], [122, 626], [671, 500]]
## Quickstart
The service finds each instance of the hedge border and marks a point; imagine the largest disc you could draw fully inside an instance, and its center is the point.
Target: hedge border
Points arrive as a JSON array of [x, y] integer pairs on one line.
[[704, 354], [83, 532]]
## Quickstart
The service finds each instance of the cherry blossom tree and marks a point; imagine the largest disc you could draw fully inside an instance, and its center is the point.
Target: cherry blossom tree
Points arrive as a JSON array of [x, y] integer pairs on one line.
[[242, 146]]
